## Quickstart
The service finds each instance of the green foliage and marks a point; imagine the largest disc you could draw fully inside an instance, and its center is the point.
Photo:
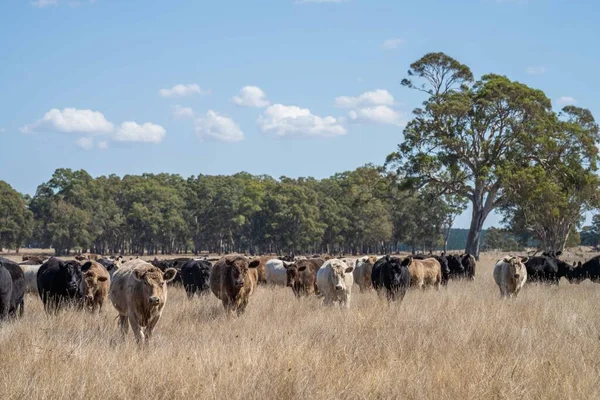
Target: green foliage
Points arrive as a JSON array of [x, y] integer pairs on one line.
[[15, 218]]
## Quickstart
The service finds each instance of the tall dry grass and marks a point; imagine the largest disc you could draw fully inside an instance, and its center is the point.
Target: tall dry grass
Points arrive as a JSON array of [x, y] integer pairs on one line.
[[462, 342]]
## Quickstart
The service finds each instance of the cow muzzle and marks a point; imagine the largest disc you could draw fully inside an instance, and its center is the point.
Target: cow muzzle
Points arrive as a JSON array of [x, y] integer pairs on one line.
[[339, 287], [239, 283], [517, 276], [154, 300]]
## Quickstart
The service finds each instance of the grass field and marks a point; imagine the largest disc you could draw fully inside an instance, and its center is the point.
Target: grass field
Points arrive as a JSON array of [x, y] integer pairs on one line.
[[462, 342]]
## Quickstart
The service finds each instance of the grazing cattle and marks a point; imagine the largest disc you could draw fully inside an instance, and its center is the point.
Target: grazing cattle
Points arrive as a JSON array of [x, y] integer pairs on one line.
[[233, 281], [111, 266], [58, 284], [390, 274], [510, 275], [30, 272], [424, 273], [195, 275], [302, 276], [94, 285], [139, 293], [12, 289], [545, 269], [275, 272], [334, 281], [589, 270], [362, 272]]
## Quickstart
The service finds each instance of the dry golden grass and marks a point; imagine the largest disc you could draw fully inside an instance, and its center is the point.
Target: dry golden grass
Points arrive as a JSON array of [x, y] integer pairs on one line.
[[462, 342]]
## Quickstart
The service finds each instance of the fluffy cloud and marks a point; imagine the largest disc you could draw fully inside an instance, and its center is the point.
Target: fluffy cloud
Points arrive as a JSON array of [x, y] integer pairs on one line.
[[182, 90], [131, 131], [565, 101], [182, 112], [86, 143], [393, 43], [377, 114], [44, 3], [251, 96], [535, 70], [70, 120], [373, 98], [218, 127], [292, 120]]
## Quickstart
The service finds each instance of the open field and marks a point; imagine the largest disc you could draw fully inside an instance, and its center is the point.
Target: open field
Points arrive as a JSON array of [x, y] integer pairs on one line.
[[462, 342]]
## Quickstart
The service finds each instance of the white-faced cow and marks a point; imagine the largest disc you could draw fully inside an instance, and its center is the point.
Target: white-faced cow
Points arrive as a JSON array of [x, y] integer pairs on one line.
[[334, 281]]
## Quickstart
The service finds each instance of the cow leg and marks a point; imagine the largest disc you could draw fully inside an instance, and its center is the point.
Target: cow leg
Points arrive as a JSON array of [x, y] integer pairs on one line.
[[138, 331], [328, 301], [150, 328], [345, 301], [124, 324], [190, 290], [242, 307]]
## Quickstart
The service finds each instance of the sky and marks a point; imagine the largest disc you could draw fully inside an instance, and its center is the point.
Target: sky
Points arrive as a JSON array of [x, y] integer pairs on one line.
[[279, 87]]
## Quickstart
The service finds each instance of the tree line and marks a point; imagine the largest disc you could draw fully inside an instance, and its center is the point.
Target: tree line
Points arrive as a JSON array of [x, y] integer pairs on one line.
[[492, 143]]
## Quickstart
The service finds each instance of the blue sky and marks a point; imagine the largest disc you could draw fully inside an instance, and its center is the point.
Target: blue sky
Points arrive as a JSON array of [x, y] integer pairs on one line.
[[278, 87]]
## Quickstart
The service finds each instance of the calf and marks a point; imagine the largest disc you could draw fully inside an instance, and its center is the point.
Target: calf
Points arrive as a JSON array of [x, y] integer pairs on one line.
[[233, 280], [58, 284], [94, 285], [510, 275], [139, 294], [334, 281], [390, 274], [362, 272], [302, 276], [424, 273], [195, 275]]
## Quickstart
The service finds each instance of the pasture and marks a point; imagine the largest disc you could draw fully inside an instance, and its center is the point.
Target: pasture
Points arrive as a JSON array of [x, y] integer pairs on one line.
[[462, 342]]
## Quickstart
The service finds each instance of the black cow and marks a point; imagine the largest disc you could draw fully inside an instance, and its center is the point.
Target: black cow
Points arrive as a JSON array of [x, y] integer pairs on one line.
[[58, 284], [195, 275], [16, 302], [461, 266], [389, 273], [444, 263], [547, 269], [176, 263], [589, 270]]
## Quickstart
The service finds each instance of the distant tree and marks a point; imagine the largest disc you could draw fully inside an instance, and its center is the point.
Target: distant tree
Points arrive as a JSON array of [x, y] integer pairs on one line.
[[15, 218]]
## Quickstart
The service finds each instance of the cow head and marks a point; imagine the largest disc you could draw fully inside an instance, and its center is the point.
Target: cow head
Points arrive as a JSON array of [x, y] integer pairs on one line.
[[516, 266], [154, 284], [71, 276], [238, 269], [338, 276], [291, 274], [89, 282]]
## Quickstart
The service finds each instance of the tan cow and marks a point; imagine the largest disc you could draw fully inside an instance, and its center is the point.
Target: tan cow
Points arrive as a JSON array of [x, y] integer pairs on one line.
[[362, 272], [139, 293], [510, 275], [233, 280], [424, 273], [94, 285], [261, 271]]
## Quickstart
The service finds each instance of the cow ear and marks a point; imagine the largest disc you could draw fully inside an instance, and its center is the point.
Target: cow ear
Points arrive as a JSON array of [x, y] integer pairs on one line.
[[169, 274], [138, 274], [86, 266], [254, 264], [507, 258], [302, 268], [558, 253], [407, 261], [349, 269], [524, 259], [102, 278], [176, 263], [387, 257]]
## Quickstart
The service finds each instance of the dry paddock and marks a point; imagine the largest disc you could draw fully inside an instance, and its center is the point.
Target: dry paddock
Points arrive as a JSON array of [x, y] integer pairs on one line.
[[462, 342]]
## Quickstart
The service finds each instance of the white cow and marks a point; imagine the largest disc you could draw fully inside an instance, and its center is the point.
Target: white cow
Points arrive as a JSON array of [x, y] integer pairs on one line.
[[334, 280], [510, 275], [275, 272], [30, 272]]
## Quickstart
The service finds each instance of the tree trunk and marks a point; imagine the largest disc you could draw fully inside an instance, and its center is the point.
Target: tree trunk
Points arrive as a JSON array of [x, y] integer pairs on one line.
[[481, 209]]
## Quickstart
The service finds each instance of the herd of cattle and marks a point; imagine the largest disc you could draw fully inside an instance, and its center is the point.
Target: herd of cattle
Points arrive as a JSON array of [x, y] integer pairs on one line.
[[138, 289]]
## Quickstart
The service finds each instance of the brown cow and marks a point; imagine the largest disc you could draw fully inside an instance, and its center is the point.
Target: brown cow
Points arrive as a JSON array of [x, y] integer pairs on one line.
[[233, 280], [302, 276], [424, 273], [261, 271], [139, 293], [94, 285]]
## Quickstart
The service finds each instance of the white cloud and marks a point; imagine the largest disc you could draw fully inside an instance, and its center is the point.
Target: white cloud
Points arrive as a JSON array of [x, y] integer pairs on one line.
[[182, 112], [70, 120], [565, 101], [251, 96], [86, 143], [377, 114], [320, 1], [535, 70], [182, 90], [44, 3], [373, 98], [218, 127], [292, 120], [393, 43], [131, 131], [103, 145]]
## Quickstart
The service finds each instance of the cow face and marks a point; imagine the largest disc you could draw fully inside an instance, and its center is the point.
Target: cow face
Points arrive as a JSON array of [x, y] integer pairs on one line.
[[395, 268], [239, 270], [154, 283], [89, 283], [291, 274], [338, 275], [516, 266], [71, 276]]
